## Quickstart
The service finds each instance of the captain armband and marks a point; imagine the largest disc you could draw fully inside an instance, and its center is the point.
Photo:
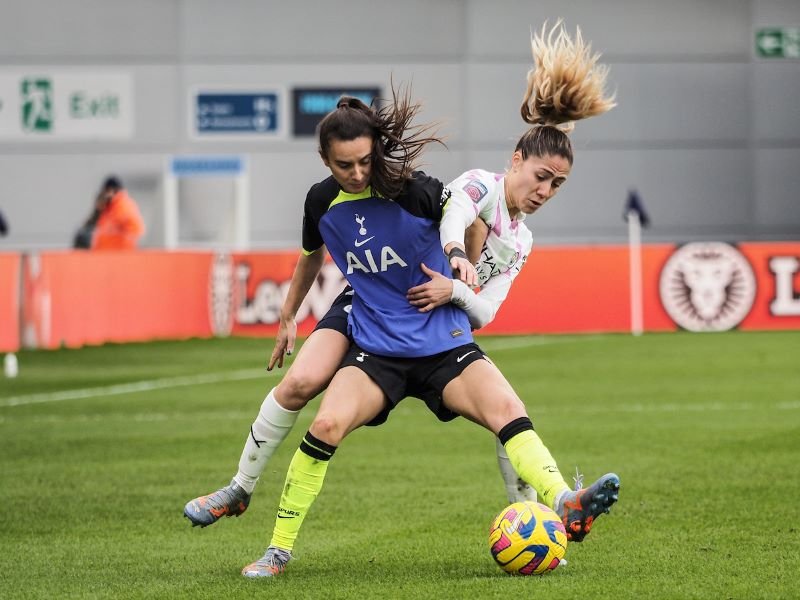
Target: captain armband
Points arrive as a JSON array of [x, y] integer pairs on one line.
[[456, 252]]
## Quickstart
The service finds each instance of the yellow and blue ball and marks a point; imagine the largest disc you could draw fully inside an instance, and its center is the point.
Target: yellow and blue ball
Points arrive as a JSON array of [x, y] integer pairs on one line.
[[527, 538]]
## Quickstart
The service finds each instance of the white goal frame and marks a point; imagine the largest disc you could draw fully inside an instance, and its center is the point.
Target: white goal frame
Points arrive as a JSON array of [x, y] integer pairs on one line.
[[185, 166]]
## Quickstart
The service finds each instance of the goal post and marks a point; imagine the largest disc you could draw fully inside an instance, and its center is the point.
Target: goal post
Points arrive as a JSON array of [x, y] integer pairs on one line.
[[234, 167]]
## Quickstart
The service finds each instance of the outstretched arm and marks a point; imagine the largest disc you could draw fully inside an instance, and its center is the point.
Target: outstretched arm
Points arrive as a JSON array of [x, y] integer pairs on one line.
[[481, 308], [304, 276]]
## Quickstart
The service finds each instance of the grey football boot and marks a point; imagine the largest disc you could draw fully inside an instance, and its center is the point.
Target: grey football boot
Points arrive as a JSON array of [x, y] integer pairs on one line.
[[578, 509], [229, 501]]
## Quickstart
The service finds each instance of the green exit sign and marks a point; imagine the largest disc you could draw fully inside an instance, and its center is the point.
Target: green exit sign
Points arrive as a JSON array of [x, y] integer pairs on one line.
[[778, 42]]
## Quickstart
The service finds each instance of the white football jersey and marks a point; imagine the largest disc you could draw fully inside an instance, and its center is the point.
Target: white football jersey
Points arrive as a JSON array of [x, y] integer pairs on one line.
[[480, 194]]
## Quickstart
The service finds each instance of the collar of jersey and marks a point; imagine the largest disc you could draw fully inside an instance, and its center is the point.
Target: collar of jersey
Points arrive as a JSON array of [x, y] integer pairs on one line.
[[343, 196]]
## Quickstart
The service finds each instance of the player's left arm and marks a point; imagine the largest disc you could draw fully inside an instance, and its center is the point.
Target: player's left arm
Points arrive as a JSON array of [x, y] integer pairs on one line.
[[427, 197], [468, 196], [439, 290], [481, 307]]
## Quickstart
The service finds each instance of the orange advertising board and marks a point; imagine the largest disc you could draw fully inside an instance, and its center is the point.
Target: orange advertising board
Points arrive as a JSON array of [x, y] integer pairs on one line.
[[701, 286], [572, 289], [76, 298], [706, 286], [9, 302], [261, 284], [777, 272]]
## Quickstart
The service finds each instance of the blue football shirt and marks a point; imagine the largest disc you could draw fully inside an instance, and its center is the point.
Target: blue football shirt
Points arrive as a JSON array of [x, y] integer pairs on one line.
[[379, 244]]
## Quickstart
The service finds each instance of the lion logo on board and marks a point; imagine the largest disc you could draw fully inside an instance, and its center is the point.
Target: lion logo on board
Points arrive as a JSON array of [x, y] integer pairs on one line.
[[707, 286]]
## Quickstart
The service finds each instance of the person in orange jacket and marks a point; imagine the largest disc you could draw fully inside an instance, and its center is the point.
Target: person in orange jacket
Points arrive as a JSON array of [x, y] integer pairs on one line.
[[118, 222]]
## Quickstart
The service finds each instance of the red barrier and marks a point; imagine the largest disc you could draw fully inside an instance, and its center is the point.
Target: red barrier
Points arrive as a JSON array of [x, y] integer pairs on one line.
[[75, 298], [578, 289], [9, 302], [570, 289], [262, 281], [777, 272]]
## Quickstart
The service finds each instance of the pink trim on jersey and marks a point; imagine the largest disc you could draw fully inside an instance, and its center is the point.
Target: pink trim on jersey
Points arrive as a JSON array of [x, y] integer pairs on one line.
[[498, 220]]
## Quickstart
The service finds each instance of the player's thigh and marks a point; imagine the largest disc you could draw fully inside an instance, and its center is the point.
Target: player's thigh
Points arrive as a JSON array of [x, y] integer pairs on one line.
[[351, 400], [313, 368], [482, 394]]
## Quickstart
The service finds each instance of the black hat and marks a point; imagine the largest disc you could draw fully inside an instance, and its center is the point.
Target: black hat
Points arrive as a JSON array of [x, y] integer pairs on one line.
[[112, 182]]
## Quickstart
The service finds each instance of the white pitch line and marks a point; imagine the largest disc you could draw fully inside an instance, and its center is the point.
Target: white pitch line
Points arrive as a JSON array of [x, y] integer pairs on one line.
[[514, 343], [671, 407], [230, 415], [109, 417], [136, 386], [508, 343]]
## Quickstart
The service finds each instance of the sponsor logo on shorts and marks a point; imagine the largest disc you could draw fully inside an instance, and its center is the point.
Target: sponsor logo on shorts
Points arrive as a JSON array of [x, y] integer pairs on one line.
[[361, 356], [463, 356]]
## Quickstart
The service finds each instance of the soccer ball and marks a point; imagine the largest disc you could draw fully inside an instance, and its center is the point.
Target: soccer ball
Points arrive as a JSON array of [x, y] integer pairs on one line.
[[527, 538]]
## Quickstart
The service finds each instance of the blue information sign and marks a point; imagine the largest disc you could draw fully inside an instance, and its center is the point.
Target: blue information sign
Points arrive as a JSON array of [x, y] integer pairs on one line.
[[236, 113], [186, 166]]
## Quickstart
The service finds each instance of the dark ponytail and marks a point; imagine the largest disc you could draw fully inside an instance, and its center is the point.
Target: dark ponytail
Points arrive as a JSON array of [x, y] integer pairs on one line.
[[396, 143]]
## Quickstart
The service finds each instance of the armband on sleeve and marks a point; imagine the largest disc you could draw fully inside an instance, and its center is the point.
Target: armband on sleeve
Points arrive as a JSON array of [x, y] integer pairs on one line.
[[456, 252]]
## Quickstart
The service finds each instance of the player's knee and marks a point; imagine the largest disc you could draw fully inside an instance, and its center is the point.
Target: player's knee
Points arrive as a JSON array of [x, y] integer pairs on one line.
[[297, 390], [327, 428], [509, 409]]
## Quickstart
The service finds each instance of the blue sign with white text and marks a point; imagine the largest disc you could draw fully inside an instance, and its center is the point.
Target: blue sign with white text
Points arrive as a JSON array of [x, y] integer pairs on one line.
[[253, 113]]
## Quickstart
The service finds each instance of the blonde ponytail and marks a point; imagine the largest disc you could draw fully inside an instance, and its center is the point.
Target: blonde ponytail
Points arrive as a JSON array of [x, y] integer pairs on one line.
[[566, 83]]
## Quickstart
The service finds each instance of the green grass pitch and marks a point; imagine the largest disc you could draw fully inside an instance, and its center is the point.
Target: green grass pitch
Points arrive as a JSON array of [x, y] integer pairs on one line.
[[101, 447]]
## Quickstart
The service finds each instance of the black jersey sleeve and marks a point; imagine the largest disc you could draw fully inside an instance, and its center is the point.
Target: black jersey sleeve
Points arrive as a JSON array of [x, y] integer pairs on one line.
[[318, 199], [312, 239], [424, 196]]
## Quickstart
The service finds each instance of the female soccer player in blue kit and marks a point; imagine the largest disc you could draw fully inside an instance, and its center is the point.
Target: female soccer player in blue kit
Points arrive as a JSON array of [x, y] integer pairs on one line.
[[344, 213]]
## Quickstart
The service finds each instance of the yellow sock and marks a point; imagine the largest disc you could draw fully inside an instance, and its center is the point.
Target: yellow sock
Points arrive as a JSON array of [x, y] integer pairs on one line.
[[534, 463], [303, 483]]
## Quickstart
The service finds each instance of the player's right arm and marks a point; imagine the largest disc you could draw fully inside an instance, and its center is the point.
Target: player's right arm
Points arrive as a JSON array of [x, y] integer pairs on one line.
[[305, 274]]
